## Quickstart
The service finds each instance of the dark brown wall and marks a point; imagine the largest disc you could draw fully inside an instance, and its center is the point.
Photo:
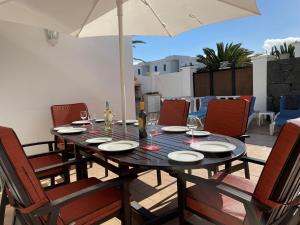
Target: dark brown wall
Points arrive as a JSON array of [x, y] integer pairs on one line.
[[244, 81], [283, 78], [223, 82]]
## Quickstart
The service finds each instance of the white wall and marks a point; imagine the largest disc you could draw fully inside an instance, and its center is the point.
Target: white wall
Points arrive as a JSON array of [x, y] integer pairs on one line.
[[35, 75], [297, 49], [260, 81], [169, 85]]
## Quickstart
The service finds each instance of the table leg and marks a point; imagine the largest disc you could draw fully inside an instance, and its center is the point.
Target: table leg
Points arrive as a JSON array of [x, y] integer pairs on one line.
[[181, 187]]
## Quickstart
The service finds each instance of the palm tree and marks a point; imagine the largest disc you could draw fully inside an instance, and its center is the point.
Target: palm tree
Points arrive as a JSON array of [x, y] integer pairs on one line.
[[134, 42], [232, 53]]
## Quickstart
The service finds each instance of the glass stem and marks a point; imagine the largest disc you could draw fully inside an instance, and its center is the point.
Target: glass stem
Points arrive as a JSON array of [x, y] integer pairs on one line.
[[192, 135]]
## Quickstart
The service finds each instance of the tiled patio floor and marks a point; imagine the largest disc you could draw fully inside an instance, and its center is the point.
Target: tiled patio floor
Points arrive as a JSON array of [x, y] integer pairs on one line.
[[161, 198]]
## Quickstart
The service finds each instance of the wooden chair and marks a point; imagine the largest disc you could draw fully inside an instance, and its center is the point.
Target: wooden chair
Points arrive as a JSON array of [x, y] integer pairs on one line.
[[87, 201], [232, 200], [66, 114], [172, 113], [230, 118]]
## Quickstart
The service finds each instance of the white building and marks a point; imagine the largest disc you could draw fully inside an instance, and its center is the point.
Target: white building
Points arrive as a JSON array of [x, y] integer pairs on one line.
[[170, 64]]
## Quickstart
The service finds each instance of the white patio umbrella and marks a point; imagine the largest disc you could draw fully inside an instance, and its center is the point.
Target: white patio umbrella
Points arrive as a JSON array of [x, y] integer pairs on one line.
[[87, 18]]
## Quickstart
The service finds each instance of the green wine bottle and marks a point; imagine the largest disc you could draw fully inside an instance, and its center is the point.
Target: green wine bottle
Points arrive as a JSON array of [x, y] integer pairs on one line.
[[142, 121]]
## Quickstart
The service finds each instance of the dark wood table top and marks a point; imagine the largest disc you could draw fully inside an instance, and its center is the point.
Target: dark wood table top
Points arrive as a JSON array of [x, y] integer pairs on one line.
[[168, 142]]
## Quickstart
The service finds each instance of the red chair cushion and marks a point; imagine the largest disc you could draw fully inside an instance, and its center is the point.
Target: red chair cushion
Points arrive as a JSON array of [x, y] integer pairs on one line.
[[89, 209], [44, 161], [21, 165], [285, 144], [227, 117], [174, 112], [218, 207]]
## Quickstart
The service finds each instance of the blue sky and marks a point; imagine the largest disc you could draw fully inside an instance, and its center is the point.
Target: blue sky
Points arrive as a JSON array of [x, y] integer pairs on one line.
[[279, 19]]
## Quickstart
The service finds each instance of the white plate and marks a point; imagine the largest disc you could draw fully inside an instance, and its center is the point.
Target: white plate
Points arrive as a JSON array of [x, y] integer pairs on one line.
[[99, 120], [175, 129], [80, 122], [59, 128], [213, 146], [118, 146], [128, 121], [98, 140], [185, 156], [198, 133], [136, 124], [71, 130]]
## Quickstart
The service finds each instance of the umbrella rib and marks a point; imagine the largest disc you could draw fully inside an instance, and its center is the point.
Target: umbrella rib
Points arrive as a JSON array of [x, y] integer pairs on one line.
[[88, 16], [157, 17], [240, 7]]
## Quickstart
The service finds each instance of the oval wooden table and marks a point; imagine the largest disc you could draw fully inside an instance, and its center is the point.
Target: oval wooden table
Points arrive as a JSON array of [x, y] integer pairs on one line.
[[139, 159]]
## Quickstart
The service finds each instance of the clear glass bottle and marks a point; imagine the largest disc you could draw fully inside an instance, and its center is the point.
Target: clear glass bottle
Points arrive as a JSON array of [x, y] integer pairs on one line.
[[108, 117], [142, 117]]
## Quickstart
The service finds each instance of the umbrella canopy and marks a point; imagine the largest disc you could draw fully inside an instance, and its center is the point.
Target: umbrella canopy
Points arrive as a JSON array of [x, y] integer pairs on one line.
[[87, 18]]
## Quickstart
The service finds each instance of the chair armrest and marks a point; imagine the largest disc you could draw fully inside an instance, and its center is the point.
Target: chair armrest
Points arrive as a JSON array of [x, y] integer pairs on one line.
[[58, 165], [253, 160], [49, 143], [38, 143], [222, 188], [47, 153], [58, 203], [245, 136]]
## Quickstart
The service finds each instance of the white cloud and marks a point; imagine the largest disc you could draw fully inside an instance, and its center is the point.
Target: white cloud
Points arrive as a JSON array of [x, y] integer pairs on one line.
[[269, 43]]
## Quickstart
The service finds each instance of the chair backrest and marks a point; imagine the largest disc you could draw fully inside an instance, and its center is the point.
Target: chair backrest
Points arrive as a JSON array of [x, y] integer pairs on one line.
[[67, 113], [290, 106], [280, 179], [227, 117], [174, 112], [206, 99], [251, 99], [18, 173]]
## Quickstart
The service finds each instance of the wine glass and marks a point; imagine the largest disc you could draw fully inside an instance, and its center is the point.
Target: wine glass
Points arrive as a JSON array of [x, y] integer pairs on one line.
[[83, 115], [152, 130], [192, 124], [93, 119]]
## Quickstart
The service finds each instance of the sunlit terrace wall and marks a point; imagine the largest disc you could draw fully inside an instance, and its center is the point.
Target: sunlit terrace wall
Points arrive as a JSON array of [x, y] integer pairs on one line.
[[35, 75]]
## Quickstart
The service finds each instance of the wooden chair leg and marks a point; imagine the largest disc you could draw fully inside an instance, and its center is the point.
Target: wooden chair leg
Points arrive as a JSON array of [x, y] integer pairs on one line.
[[247, 170], [209, 173], [189, 171], [52, 181], [228, 167], [158, 175], [66, 177], [106, 170]]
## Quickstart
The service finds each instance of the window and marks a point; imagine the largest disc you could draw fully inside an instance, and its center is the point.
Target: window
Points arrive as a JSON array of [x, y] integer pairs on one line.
[[139, 71], [155, 68], [165, 67]]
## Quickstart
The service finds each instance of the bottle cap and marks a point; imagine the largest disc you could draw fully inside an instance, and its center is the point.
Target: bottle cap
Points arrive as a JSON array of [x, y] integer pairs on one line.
[[142, 105]]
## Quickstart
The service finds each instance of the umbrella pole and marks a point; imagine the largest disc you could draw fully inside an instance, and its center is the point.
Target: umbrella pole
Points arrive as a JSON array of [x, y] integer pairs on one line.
[[121, 58]]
